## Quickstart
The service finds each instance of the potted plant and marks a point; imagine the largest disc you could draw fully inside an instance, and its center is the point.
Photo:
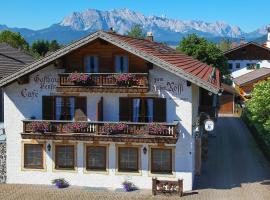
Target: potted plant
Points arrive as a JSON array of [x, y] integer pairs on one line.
[[75, 127], [129, 186], [39, 126], [79, 78], [60, 183], [155, 128], [115, 128], [126, 80]]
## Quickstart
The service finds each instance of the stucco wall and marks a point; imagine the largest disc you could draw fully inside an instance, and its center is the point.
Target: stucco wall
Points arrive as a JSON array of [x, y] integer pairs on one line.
[[25, 101], [243, 66]]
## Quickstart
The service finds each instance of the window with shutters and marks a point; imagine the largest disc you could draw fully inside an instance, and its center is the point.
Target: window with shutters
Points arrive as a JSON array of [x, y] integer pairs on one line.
[[64, 108], [161, 160], [65, 157], [128, 159], [33, 156], [121, 63], [96, 158], [91, 64], [142, 109]]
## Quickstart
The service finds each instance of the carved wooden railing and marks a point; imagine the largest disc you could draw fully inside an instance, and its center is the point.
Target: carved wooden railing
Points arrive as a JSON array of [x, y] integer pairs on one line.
[[100, 128], [103, 79]]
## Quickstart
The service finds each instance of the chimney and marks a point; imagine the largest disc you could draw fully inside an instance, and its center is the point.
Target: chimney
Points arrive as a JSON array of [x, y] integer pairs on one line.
[[149, 36], [268, 37], [242, 41]]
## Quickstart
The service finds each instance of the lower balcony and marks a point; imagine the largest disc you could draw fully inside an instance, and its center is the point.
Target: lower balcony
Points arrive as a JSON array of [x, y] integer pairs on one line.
[[103, 82], [101, 131]]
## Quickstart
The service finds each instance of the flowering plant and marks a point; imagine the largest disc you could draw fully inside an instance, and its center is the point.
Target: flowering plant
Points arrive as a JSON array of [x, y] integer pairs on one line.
[[128, 186], [126, 80], [154, 128], [39, 126], [60, 183], [75, 127], [114, 128], [78, 77]]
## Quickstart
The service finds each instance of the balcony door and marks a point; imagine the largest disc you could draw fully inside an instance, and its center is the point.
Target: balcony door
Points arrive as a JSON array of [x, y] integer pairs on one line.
[[64, 108], [142, 109], [91, 64], [121, 64]]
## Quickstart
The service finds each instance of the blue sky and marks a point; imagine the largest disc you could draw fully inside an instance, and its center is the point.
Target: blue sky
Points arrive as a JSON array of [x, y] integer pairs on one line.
[[35, 14]]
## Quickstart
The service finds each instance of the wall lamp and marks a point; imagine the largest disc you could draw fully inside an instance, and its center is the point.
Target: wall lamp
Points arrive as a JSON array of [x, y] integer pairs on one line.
[[49, 147], [144, 150]]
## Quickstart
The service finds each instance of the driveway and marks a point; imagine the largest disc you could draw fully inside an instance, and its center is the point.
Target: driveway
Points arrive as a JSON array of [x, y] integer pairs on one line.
[[235, 170]]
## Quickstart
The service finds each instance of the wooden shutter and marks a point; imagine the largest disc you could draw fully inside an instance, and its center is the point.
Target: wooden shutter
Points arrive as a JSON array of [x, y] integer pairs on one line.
[[160, 111], [125, 109], [80, 108], [100, 110], [48, 107]]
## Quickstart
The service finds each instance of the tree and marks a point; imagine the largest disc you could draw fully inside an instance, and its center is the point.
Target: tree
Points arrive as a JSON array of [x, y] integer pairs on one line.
[[40, 47], [14, 39], [259, 105], [225, 44], [54, 45], [136, 32], [207, 52]]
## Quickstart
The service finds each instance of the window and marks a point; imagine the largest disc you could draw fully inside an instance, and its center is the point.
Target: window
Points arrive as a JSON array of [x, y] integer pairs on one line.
[[91, 64], [64, 108], [237, 65], [161, 160], [33, 156], [128, 159], [251, 66], [142, 109], [258, 66], [96, 158], [230, 66], [65, 157], [121, 64]]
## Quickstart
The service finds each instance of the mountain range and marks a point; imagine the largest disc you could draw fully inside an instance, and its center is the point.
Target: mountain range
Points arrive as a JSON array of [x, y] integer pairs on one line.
[[79, 24]]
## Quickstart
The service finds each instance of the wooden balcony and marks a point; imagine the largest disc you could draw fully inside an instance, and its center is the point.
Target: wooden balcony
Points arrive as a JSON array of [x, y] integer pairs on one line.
[[103, 82], [101, 131]]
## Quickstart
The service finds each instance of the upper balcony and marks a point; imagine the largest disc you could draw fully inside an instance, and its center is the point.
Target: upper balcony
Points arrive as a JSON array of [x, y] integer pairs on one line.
[[101, 131], [104, 82]]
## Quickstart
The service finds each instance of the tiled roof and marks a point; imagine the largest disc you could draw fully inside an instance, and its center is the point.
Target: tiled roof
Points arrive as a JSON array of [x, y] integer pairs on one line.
[[12, 59], [252, 76], [161, 55], [180, 60]]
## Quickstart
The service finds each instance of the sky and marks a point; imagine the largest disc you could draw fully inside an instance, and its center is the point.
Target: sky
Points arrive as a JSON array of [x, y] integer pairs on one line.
[[34, 14]]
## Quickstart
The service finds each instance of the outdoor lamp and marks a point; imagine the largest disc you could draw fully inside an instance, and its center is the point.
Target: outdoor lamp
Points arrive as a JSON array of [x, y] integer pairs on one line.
[[144, 150], [49, 147]]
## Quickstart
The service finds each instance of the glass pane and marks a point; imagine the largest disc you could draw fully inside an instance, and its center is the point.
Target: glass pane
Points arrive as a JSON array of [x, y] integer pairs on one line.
[[70, 107], [121, 64], [91, 64], [59, 108], [96, 158], [136, 110], [161, 160], [65, 157], [33, 155], [128, 159], [149, 114]]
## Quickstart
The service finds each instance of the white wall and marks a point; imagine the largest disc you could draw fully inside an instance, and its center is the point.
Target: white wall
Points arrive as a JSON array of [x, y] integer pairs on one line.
[[25, 101], [243, 66]]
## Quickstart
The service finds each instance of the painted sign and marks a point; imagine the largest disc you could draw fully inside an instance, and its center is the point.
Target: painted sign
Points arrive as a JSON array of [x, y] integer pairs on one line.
[[162, 84]]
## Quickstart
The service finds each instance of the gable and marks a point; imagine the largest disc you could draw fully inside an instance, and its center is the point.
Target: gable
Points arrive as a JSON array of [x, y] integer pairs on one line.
[[250, 51]]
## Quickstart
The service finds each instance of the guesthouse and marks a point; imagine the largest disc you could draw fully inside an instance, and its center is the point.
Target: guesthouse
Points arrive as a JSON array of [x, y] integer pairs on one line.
[[106, 109]]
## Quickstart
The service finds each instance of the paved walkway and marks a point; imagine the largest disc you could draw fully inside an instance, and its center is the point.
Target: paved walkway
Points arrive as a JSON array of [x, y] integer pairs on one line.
[[235, 170]]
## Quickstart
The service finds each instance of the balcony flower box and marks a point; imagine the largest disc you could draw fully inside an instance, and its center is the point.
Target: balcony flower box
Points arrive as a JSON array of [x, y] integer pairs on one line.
[[79, 79], [75, 127], [114, 128], [155, 128], [39, 126], [126, 80]]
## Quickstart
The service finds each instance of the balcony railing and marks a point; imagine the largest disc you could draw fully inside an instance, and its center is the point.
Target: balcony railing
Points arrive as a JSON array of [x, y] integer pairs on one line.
[[104, 131], [103, 82]]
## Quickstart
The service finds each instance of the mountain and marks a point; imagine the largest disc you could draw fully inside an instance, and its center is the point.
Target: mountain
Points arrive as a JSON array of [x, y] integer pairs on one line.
[[168, 30]]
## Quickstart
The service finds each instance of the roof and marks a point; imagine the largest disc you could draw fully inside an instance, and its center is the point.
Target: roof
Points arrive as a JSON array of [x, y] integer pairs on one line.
[[12, 59], [161, 55], [228, 88], [248, 51], [252, 76]]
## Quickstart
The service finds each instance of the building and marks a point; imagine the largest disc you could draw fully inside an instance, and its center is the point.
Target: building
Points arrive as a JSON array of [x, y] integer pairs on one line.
[[11, 60], [105, 109]]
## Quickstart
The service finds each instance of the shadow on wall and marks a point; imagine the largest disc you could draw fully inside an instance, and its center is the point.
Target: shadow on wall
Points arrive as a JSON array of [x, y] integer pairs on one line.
[[234, 158]]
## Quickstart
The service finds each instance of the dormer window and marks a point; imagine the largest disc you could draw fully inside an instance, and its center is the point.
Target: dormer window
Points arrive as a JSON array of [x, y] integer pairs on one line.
[[91, 64], [121, 64]]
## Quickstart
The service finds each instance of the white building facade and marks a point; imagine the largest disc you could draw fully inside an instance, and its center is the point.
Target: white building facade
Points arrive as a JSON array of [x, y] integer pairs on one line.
[[88, 155]]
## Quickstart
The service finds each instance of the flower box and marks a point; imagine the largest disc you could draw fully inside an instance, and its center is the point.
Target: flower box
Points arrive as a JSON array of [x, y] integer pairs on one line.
[[155, 128], [39, 126], [126, 80], [75, 127], [117, 128]]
